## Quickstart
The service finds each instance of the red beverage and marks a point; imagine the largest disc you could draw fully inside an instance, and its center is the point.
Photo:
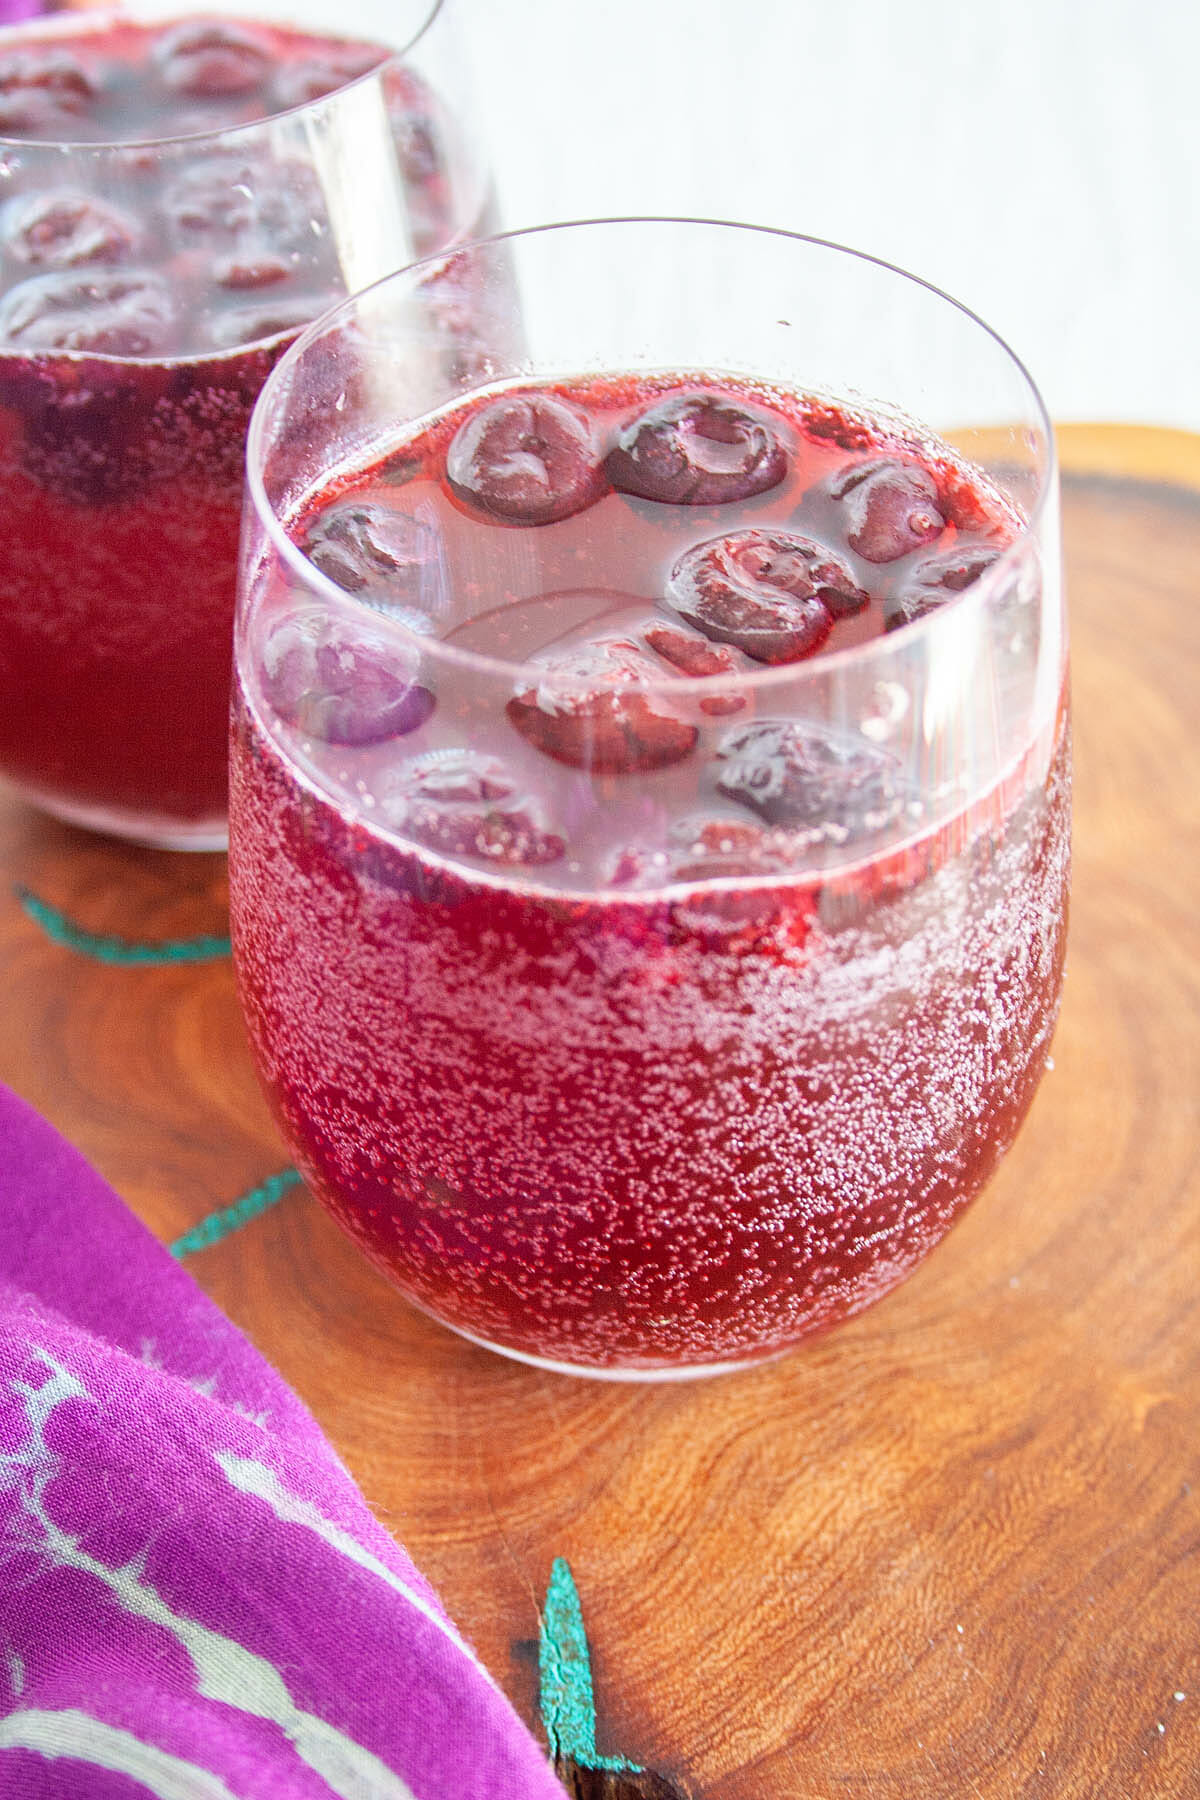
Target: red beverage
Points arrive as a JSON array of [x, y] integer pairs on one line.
[[147, 288], [629, 1015]]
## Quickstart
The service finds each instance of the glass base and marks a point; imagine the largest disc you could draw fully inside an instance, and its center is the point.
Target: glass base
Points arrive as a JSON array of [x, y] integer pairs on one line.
[[154, 830], [652, 1372]]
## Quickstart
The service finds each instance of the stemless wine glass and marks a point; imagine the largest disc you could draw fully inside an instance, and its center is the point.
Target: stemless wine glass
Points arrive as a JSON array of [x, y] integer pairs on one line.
[[640, 998], [161, 241]]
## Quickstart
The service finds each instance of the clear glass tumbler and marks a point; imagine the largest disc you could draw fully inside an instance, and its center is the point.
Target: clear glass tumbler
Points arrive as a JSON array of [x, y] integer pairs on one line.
[[650, 783], [177, 198]]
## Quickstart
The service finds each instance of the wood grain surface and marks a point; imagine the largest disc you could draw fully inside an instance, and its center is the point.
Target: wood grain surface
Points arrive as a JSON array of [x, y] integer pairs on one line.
[[950, 1552]]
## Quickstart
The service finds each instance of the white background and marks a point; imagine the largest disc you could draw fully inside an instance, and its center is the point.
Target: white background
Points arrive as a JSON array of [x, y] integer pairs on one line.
[[1039, 159]]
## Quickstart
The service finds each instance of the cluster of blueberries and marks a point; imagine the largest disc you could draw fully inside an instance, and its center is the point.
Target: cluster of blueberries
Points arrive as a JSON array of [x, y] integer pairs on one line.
[[531, 458], [203, 251]]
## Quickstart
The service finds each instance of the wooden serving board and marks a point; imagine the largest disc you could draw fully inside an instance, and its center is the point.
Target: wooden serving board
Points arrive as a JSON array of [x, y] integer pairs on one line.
[[950, 1552]]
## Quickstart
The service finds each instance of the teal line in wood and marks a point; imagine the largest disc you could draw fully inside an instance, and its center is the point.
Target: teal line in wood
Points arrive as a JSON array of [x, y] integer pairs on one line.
[[565, 1669], [124, 951], [218, 1225]]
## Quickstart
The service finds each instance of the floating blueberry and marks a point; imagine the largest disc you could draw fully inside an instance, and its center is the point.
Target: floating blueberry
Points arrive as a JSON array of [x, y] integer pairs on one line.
[[300, 83], [129, 314], [593, 712], [525, 459], [42, 91], [413, 114], [891, 507], [241, 325], [342, 683], [457, 776], [291, 208], [463, 803], [714, 849], [827, 423], [692, 655], [697, 449], [246, 207], [933, 581], [700, 850], [62, 229], [773, 594], [91, 427], [805, 779], [212, 199], [386, 558], [250, 270], [208, 57], [972, 505]]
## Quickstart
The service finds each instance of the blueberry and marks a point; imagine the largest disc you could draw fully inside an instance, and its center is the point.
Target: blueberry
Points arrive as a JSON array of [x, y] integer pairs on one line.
[[42, 92], [971, 506], [91, 427], [593, 712], [772, 594], [826, 423], [412, 114], [806, 779], [933, 581], [699, 850], [697, 449], [238, 326], [714, 849], [711, 850], [212, 199], [691, 655], [463, 803], [342, 683], [312, 78], [62, 229], [525, 459], [891, 507], [246, 205], [289, 202], [386, 558], [251, 270], [207, 57], [457, 777], [129, 314]]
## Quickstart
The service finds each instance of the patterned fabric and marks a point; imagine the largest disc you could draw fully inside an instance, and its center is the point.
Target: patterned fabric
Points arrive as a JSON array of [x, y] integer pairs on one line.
[[195, 1602]]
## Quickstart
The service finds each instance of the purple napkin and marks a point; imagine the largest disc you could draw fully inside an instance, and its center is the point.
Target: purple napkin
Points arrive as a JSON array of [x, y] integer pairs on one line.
[[12, 12], [195, 1602]]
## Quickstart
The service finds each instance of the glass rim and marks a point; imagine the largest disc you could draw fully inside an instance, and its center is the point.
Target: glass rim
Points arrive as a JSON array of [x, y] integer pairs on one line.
[[66, 24], [922, 631]]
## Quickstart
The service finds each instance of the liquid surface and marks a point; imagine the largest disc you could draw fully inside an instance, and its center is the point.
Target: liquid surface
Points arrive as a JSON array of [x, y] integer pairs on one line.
[[638, 622], [125, 82]]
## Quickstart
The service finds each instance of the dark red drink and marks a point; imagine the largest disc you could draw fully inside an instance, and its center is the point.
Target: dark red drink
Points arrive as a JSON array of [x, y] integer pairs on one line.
[[630, 1013], [150, 276]]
